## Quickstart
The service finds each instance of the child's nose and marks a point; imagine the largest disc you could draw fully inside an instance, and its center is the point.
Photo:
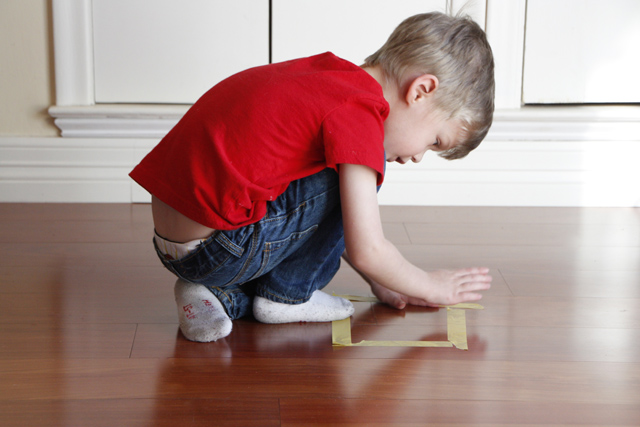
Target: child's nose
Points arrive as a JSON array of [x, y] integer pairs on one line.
[[417, 158]]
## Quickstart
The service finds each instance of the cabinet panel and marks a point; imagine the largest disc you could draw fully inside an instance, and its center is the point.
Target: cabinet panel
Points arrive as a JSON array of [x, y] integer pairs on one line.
[[582, 51], [352, 29], [172, 51]]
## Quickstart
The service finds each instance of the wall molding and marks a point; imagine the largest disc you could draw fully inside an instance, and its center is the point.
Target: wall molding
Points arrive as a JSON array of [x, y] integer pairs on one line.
[[585, 123], [560, 123], [116, 120], [73, 53], [499, 173]]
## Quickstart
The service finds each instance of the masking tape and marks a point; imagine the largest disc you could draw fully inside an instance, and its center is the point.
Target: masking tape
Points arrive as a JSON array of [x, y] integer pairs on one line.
[[456, 329], [357, 298], [341, 334]]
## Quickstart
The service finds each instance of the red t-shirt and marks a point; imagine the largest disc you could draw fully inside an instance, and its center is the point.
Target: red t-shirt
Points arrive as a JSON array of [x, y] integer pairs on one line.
[[247, 138]]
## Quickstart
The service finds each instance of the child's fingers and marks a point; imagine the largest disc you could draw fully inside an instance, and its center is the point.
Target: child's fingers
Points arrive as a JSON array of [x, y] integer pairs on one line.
[[471, 296], [473, 271], [396, 301], [476, 280], [474, 286], [389, 297]]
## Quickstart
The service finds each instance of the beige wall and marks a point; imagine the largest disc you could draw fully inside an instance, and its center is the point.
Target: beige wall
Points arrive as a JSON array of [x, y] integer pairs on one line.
[[26, 68]]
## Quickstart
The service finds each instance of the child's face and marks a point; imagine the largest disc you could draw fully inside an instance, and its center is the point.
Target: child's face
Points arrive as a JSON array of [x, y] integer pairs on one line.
[[410, 134]]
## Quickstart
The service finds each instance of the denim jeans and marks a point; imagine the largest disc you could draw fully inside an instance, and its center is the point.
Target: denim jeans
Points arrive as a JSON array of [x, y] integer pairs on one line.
[[286, 256]]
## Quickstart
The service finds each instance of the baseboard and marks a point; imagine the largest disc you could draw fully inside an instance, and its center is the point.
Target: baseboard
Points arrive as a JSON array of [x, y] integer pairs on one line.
[[70, 170], [499, 173]]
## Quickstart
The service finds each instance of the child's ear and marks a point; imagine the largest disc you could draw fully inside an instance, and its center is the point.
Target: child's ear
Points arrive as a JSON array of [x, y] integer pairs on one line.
[[422, 87]]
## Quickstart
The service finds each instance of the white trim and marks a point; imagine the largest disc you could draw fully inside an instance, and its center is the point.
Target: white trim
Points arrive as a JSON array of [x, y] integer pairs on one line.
[[505, 32], [500, 173], [69, 170], [523, 124], [610, 123], [73, 39], [117, 120]]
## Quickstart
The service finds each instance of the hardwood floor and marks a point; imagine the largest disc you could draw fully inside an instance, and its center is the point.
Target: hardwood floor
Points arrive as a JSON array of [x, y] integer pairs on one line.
[[89, 335]]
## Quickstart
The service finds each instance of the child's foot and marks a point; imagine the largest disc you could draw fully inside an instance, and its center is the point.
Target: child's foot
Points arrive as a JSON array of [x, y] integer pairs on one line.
[[321, 307], [202, 317]]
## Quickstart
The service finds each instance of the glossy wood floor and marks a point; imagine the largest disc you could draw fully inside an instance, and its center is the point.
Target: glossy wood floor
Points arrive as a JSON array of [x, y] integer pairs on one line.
[[88, 332]]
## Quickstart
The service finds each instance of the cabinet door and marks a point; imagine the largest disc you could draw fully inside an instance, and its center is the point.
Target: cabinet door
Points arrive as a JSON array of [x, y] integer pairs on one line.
[[351, 29], [582, 51], [172, 51]]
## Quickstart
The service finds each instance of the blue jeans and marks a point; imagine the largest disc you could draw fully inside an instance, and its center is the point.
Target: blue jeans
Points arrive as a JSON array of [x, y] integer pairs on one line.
[[286, 256]]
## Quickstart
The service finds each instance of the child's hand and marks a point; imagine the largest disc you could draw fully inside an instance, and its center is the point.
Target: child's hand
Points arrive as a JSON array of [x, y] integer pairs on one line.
[[393, 298], [449, 287], [443, 287]]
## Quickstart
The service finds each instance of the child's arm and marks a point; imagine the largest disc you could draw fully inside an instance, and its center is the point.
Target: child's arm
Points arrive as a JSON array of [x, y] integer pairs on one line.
[[381, 262], [385, 295]]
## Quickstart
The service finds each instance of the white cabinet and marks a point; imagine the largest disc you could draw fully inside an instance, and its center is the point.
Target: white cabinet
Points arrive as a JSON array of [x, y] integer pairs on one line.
[[110, 54], [172, 51], [351, 29], [581, 52]]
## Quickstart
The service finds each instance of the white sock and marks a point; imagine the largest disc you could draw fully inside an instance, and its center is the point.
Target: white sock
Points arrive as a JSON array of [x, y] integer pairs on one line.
[[321, 307], [202, 317]]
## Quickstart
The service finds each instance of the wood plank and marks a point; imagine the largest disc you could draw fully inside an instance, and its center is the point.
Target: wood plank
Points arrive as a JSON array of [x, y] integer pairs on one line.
[[138, 254], [44, 212], [569, 283], [393, 412], [250, 339], [141, 412], [183, 378], [70, 232], [93, 308], [508, 215], [523, 257], [49, 341], [551, 312], [52, 278], [526, 234]]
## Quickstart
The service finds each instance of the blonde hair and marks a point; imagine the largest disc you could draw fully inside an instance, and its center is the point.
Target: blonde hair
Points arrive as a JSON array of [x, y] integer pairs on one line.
[[455, 50]]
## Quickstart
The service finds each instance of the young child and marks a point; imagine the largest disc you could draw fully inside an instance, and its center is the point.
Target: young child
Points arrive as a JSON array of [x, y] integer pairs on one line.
[[271, 177]]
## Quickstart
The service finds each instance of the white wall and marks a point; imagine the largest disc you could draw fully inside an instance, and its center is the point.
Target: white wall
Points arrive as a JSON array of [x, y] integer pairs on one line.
[[26, 74]]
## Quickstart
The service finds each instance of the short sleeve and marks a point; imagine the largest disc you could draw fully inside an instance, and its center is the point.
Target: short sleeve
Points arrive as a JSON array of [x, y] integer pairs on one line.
[[354, 133]]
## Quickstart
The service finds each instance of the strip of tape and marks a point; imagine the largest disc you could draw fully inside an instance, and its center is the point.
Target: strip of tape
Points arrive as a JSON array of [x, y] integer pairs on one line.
[[357, 298], [456, 329], [341, 334]]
